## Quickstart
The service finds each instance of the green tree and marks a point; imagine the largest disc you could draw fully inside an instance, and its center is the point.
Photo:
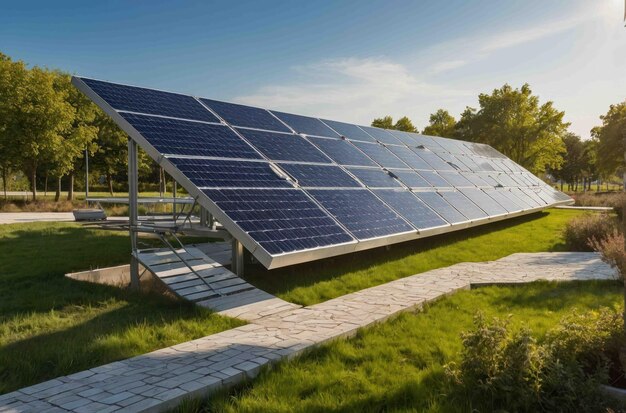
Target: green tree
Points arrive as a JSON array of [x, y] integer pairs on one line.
[[513, 122], [12, 82], [384, 122], [80, 134], [611, 137], [574, 163], [112, 148], [441, 123], [37, 122], [403, 124]]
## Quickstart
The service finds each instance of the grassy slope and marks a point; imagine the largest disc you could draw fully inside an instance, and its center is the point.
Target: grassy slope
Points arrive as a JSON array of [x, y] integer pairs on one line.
[[322, 280], [50, 325], [398, 365]]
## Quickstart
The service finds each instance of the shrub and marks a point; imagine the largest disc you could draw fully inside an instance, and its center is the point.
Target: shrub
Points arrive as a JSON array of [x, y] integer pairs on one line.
[[581, 230], [611, 249], [500, 369], [613, 200]]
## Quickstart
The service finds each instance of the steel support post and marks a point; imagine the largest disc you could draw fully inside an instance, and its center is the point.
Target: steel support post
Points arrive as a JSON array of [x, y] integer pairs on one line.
[[237, 258], [133, 218]]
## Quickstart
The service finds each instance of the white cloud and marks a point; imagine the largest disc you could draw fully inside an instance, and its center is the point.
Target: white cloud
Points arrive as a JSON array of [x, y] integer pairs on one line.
[[351, 89]]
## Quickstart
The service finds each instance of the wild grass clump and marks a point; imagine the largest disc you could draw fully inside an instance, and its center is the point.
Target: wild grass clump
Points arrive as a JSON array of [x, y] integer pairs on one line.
[[611, 249], [511, 370], [612, 199], [580, 231]]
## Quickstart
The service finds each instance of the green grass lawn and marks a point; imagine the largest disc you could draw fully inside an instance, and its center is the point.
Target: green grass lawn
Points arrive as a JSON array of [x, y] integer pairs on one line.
[[51, 325], [397, 366], [315, 282]]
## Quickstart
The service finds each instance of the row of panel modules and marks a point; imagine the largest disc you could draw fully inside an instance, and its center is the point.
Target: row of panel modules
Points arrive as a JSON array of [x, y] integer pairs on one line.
[[289, 183]]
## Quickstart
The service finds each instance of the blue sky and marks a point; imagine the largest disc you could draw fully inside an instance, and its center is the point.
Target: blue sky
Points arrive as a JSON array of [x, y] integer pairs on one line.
[[344, 60]]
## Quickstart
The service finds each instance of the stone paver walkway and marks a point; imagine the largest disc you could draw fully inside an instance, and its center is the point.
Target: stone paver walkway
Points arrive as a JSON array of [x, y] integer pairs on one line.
[[159, 380]]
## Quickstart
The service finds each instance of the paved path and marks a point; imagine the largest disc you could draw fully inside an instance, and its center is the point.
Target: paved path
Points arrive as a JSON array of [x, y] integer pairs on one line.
[[22, 217], [160, 380]]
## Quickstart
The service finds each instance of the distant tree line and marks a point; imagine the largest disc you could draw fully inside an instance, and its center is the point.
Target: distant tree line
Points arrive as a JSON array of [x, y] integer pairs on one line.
[[47, 127], [534, 134]]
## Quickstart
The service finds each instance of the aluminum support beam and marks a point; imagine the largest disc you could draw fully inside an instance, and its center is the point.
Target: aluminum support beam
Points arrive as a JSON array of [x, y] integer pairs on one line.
[[237, 258], [133, 218]]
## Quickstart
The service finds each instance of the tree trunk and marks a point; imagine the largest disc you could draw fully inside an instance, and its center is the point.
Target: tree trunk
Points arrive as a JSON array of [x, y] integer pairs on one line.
[[4, 182], [45, 185], [110, 183], [57, 195], [33, 182], [161, 182], [70, 189]]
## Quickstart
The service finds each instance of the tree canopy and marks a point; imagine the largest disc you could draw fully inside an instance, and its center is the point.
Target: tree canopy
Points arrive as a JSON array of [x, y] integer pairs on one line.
[[441, 123], [403, 124], [611, 137], [515, 123]]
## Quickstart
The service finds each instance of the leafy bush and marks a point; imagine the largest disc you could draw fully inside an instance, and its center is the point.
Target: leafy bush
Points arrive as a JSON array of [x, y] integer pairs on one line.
[[500, 369], [611, 248], [581, 230]]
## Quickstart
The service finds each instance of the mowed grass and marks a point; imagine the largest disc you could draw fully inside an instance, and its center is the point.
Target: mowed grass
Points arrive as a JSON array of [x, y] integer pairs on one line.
[[52, 326], [398, 366], [319, 281]]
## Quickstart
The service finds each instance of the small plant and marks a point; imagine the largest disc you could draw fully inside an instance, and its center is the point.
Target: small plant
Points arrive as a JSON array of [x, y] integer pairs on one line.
[[611, 249], [581, 230], [501, 369]]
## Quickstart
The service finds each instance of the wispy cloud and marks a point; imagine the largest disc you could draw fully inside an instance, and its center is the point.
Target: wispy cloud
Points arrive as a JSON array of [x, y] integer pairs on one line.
[[351, 89]]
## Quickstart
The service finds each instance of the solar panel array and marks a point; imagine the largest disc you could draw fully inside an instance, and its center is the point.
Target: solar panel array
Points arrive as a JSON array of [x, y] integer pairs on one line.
[[294, 188]]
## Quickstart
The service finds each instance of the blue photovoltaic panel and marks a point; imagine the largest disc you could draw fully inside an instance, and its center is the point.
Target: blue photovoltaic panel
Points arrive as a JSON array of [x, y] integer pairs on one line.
[[280, 221], [252, 169], [410, 178], [180, 137], [219, 173], [464, 205], [435, 179], [455, 179], [364, 215], [374, 178], [382, 135], [283, 146], [499, 195], [380, 154], [352, 132], [306, 125], [342, 152], [409, 157], [443, 208], [433, 160], [475, 179], [149, 101], [484, 201], [246, 116], [320, 176], [411, 208]]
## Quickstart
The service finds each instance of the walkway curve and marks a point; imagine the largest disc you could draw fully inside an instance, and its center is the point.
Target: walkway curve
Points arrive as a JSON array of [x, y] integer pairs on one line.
[[160, 380]]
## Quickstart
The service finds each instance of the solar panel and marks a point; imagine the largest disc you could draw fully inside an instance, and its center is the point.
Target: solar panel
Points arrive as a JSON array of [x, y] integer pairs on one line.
[[484, 201], [437, 203], [283, 146], [294, 188], [149, 101], [320, 176], [182, 137], [381, 155], [281, 221], [364, 215], [306, 125], [374, 178], [411, 208], [227, 173], [342, 152], [245, 116], [352, 132], [464, 205], [382, 135], [410, 178]]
